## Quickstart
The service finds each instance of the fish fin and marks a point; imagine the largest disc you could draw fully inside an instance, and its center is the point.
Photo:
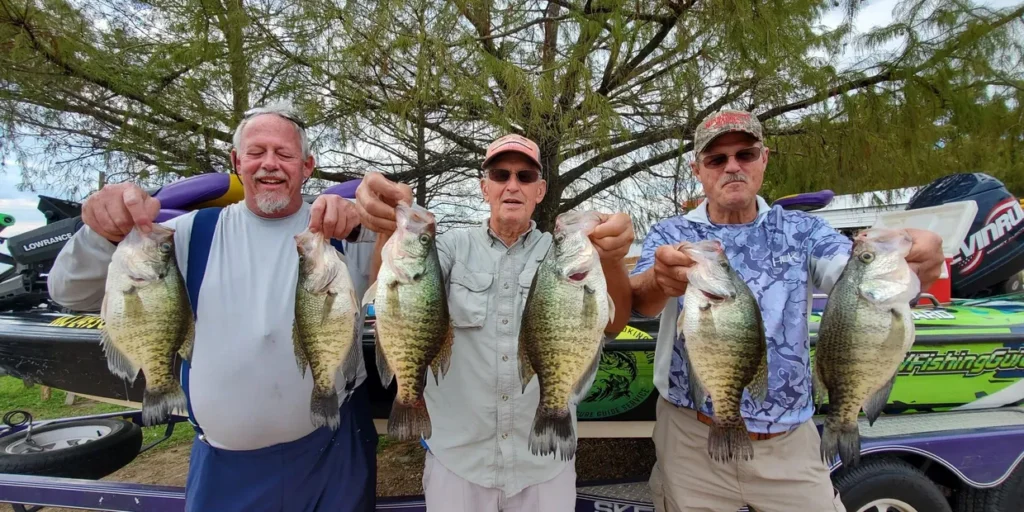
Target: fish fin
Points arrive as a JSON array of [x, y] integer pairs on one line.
[[439, 366], [729, 439], [325, 314], [324, 409], [188, 338], [552, 432], [582, 386], [370, 294], [758, 386], [611, 308], [409, 422], [301, 360], [354, 357], [386, 375], [697, 392], [840, 440], [898, 332], [159, 403], [818, 389], [117, 362], [589, 307], [525, 368], [875, 403]]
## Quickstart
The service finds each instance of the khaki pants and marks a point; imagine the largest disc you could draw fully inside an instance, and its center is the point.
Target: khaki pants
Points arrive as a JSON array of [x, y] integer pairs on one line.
[[785, 474], [447, 492]]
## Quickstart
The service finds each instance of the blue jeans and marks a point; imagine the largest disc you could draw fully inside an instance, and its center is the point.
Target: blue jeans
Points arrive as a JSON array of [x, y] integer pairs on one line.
[[326, 470]]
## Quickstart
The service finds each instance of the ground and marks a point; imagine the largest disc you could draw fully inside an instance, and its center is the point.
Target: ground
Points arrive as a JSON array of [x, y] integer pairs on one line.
[[399, 465]]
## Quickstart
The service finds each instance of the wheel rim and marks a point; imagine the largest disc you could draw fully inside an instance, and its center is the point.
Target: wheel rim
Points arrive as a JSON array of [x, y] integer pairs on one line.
[[887, 505], [58, 439]]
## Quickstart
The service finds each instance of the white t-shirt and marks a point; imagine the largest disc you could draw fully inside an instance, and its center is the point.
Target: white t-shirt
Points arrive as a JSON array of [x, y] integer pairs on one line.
[[245, 389]]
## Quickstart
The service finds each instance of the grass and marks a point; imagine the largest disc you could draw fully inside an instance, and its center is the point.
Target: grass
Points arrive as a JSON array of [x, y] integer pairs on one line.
[[15, 396]]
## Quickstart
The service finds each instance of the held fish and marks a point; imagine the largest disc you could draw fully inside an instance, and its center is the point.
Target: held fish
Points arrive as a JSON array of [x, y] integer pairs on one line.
[[147, 319], [866, 330], [412, 327], [325, 328], [562, 332], [724, 345]]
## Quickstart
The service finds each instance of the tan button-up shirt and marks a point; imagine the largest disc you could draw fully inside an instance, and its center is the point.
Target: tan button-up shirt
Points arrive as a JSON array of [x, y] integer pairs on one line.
[[481, 418]]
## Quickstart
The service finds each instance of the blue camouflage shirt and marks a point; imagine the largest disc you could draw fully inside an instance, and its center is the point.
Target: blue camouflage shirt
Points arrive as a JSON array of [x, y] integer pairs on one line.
[[780, 255]]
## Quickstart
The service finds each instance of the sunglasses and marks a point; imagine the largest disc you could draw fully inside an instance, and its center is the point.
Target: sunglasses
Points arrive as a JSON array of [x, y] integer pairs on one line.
[[259, 110], [502, 175], [743, 156]]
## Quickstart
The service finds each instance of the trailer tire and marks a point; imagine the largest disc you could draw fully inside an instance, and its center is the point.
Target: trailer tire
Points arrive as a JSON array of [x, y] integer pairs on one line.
[[1006, 497], [96, 458], [877, 480]]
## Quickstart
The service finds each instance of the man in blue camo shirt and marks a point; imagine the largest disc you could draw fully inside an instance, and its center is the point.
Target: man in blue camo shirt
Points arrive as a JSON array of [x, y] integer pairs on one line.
[[779, 254]]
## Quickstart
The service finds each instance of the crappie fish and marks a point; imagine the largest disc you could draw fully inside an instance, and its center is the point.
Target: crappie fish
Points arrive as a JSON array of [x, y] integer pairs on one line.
[[562, 331], [325, 330], [147, 319], [866, 330], [725, 346], [413, 330]]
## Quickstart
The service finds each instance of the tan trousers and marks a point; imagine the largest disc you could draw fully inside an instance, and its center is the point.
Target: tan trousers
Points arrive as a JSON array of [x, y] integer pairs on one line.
[[447, 492], [785, 474]]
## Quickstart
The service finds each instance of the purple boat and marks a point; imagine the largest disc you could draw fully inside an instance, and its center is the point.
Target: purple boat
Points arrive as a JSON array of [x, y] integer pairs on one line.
[[807, 202]]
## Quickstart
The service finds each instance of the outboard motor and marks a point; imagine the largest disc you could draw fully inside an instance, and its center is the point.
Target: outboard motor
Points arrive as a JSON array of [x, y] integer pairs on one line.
[[992, 254]]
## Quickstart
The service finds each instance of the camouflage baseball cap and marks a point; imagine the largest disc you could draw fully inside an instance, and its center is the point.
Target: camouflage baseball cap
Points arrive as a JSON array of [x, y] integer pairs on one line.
[[722, 122]]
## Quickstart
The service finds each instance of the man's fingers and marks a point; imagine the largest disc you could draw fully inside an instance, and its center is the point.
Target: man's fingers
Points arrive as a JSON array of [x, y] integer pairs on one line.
[[671, 256], [134, 201], [316, 215], [330, 220], [378, 209], [103, 225], [152, 206], [121, 221]]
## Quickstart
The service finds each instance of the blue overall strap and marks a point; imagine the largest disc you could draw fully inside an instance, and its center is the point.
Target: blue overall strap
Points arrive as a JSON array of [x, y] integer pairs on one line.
[[204, 224]]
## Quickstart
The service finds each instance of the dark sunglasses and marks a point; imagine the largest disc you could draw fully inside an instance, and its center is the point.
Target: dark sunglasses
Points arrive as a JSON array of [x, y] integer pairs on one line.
[[259, 110], [743, 156], [502, 175]]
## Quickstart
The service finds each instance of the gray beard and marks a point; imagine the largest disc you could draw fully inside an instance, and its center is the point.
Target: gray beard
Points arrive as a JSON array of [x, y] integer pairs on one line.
[[271, 203]]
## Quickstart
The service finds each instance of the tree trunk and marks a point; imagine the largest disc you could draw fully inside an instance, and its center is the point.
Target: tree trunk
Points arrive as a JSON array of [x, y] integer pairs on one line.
[[548, 208], [232, 25]]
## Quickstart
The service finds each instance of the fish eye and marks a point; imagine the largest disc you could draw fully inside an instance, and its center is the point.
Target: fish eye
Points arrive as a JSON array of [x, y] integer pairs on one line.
[[559, 238], [867, 257], [424, 239], [165, 247]]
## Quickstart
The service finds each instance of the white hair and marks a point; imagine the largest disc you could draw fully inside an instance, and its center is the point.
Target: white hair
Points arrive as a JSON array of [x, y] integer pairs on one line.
[[281, 109]]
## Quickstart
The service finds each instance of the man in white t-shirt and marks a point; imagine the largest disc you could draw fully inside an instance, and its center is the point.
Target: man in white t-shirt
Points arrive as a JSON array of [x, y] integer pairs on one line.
[[257, 448]]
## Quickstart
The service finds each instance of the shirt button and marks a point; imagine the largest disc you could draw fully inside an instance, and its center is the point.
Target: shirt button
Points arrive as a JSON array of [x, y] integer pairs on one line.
[[504, 320], [505, 435], [504, 398], [506, 286], [504, 358]]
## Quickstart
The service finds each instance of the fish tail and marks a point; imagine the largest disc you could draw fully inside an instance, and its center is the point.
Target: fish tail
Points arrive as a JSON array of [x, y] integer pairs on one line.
[[728, 439], [552, 430], [158, 402], [324, 409], [408, 422], [842, 440]]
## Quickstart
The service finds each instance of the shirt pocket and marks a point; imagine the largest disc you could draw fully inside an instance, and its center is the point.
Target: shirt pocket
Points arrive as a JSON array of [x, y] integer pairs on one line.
[[467, 297]]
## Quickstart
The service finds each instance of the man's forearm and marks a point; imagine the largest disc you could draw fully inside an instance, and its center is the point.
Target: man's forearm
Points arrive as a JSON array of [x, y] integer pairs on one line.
[[648, 299], [79, 274], [617, 279]]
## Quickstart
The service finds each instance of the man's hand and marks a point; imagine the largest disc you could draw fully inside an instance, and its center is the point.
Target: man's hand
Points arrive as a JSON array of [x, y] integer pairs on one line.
[[376, 199], [613, 236], [116, 209], [925, 257], [670, 267], [334, 216]]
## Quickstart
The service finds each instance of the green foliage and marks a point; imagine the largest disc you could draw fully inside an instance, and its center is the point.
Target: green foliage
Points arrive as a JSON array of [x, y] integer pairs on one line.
[[611, 90]]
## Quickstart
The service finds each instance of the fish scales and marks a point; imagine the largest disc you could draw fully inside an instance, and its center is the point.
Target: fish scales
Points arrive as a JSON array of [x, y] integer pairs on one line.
[[865, 332], [725, 347], [562, 331], [147, 319], [412, 329], [325, 329]]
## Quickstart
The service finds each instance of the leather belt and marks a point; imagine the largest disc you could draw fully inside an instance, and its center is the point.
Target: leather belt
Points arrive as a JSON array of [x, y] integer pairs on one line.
[[754, 436]]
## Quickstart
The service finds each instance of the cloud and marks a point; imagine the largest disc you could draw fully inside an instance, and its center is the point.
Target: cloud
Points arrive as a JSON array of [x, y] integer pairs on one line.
[[17, 204]]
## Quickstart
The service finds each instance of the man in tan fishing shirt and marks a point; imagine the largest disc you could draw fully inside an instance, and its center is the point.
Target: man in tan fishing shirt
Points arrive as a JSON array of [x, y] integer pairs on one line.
[[479, 458]]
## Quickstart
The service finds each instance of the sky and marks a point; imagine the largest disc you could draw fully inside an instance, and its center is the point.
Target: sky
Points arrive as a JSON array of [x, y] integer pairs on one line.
[[22, 205]]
